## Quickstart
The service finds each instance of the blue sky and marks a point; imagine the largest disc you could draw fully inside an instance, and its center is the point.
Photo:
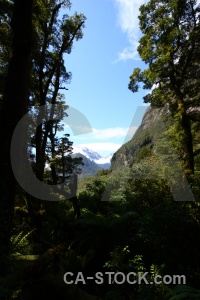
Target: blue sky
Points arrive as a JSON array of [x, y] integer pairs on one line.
[[101, 64]]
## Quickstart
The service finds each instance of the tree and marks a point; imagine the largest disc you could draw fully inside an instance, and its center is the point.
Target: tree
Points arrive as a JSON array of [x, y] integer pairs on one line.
[[14, 106], [6, 11], [62, 164], [170, 45], [53, 37], [35, 81]]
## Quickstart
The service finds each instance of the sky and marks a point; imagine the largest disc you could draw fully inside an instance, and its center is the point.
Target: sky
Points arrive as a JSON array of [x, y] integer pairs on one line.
[[101, 64]]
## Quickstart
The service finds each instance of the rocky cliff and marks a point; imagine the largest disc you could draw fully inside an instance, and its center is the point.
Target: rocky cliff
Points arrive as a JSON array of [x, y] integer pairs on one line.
[[154, 123]]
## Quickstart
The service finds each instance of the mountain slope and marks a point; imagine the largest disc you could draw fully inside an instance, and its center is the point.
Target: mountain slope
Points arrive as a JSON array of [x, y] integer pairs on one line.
[[144, 136], [89, 168], [93, 161], [98, 162], [154, 123]]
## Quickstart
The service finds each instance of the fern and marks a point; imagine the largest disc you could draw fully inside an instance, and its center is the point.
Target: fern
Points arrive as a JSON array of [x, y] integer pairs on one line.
[[17, 238], [20, 239], [24, 238], [20, 242]]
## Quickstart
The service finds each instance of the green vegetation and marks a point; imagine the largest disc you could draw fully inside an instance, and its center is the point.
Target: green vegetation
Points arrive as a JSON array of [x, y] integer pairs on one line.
[[89, 167], [169, 47], [125, 219]]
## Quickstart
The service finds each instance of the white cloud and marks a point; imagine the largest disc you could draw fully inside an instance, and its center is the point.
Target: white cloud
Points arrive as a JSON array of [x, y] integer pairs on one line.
[[108, 133], [104, 141], [102, 147], [128, 11], [127, 19]]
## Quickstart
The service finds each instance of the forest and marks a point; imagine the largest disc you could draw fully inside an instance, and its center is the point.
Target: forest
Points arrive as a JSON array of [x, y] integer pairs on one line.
[[131, 231]]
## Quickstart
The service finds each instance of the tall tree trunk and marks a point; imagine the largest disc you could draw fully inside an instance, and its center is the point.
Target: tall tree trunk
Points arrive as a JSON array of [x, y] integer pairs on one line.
[[187, 139], [73, 185], [14, 106]]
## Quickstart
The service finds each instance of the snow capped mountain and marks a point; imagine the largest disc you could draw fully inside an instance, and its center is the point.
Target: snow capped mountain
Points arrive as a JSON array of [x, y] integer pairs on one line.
[[93, 156]]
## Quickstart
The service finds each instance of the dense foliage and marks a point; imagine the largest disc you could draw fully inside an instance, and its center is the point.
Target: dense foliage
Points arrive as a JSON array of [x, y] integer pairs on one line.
[[124, 219], [169, 46]]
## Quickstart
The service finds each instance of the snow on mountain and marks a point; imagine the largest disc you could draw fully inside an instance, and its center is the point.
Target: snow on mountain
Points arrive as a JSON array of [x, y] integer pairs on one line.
[[104, 160], [93, 156]]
